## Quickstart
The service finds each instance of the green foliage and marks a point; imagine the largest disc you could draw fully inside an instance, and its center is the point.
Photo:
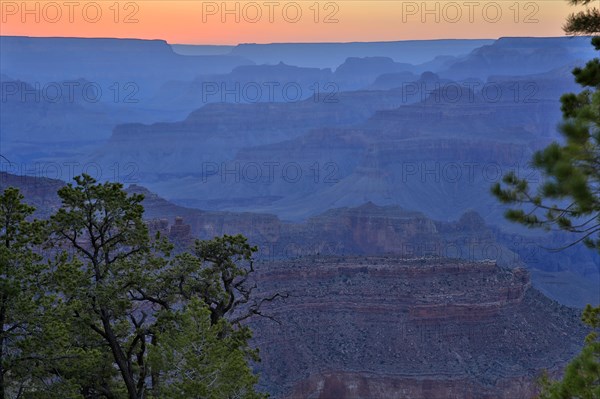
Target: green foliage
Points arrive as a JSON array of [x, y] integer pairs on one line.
[[571, 169], [584, 22], [21, 299], [111, 257], [572, 182], [216, 272], [106, 312], [197, 361], [581, 379]]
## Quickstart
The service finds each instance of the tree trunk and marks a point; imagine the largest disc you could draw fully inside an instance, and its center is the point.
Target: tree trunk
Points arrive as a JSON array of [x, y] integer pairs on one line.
[[120, 358], [2, 321], [154, 374]]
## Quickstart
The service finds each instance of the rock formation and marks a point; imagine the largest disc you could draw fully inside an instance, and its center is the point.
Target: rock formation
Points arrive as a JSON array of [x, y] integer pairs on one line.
[[570, 276], [428, 328], [180, 231]]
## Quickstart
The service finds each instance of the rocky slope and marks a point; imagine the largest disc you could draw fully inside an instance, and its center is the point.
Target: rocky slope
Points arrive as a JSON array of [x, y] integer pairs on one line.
[[148, 63], [571, 276], [520, 55], [334, 54], [429, 328], [183, 153], [437, 156], [426, 143], [391, 326]]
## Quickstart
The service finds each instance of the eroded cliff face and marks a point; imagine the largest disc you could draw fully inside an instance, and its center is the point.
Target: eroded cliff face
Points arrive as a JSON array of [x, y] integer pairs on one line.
[[368, 229], [38, 192], [380, 327], [354, 385], [383, 327]]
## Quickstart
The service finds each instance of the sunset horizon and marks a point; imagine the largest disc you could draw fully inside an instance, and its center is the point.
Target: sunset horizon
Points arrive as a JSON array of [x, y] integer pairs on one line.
[[254, 199], [236, 22]]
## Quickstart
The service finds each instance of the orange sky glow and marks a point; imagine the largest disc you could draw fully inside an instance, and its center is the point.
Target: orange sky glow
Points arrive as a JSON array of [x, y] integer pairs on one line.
[[233, 22]]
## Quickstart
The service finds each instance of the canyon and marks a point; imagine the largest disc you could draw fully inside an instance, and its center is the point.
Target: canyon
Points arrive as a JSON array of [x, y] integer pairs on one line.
[[367, 195], [569, 276], [379, 303], [425, 328]]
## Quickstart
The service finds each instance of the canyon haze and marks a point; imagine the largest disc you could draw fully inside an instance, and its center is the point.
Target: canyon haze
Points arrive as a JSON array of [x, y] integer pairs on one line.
[[362, 171]]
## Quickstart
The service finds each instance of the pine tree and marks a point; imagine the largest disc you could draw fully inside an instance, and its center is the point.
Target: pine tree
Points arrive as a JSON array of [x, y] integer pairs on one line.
[[571, 169], [572, 182], [140, 331], [21, 299], [197, 358], [581, 378], [584, 22]]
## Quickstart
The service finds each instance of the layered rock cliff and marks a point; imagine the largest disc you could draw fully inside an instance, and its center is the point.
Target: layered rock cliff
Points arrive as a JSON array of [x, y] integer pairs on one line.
[[569, 276], [430, 328]]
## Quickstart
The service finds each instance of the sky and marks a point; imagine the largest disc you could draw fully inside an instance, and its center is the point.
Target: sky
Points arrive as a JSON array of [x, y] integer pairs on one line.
[[234, 22]]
